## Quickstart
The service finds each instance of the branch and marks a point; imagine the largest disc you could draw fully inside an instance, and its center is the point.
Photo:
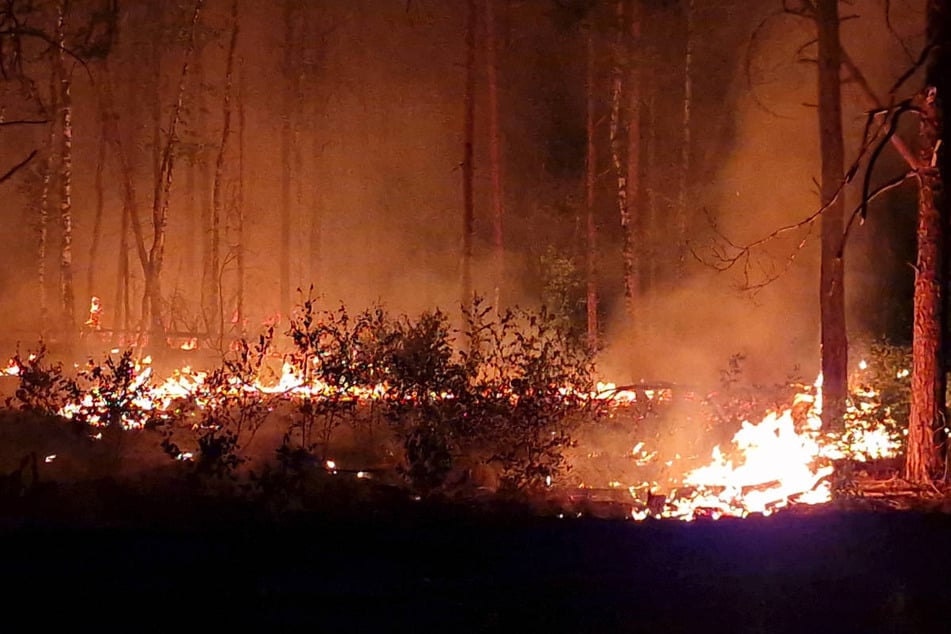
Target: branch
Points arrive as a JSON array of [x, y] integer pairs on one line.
[[863, 206], [24, 122], [891, 29], [13, 170], [749, 60]]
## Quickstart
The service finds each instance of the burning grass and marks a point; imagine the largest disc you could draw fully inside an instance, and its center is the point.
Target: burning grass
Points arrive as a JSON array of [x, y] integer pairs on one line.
[[509, 406]]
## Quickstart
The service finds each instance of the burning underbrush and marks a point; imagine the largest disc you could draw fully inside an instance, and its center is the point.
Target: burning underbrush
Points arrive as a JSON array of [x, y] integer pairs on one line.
[[507, 407]]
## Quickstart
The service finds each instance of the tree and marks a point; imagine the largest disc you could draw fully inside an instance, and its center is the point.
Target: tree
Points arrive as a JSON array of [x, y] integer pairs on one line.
[[928, 415], [468, 164], [495, 152], [67, 294], [832, 279], [591, 233], [217, 203]]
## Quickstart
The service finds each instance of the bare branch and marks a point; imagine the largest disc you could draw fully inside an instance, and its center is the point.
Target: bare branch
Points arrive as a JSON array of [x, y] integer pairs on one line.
[[749, 60], [863, 206], [13, 170], [891, 29], [24, 122]]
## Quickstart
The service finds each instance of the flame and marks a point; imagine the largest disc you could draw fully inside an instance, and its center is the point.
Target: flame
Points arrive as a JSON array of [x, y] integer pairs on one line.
[[785, 458]]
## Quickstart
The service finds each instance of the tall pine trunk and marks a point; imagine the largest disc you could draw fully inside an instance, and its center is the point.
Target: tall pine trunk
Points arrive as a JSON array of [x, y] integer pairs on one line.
[[160, 201], [217, 203], [591, 233], [67, 292], [42, 238], [927, 416], [468, 165], [99, 187], [495, 151], [616, 140], [288, 71], [633, 125], [831, 284], [683, 174]]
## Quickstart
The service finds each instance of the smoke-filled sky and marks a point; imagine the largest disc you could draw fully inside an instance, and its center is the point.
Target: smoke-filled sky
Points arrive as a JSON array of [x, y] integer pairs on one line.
[[372, 94]]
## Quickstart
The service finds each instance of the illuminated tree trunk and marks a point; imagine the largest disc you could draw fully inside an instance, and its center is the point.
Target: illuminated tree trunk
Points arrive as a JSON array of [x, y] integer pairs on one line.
[[495, 151], [239, 210], [42, 237], [100, 210], [617, 145], [631, 264], [286, 152], [591, 246], [683, 176], [927, 417], [468, 166], [66, 176], [160, 202], [130, 210], [831, 284], [217, 205]]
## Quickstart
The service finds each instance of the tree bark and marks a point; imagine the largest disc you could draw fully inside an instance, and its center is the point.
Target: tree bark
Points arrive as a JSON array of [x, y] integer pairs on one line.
[[239, 208], [591, 233], [99, 187], [495, 152], [160, 202], [288, 70], [631, 258], [42, 238], [66, 175], [468, 166], [217, 204], [923, 455], [831, 283], [683, 176], [617, 146]]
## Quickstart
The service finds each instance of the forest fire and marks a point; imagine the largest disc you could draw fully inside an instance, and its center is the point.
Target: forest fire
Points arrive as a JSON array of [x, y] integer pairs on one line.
[[784, 459]]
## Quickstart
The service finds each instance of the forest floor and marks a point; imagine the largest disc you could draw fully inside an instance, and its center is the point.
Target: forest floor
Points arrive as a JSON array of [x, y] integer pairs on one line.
[[100, 550]]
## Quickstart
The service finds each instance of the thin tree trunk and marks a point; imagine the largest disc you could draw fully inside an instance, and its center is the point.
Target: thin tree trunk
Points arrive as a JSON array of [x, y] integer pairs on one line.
[[100, 209], [628, 224], [217, 302], [153, 292], [43, 228], [239, 211], [591, 242], [66, 175], [495, 152], [468, 166], [288, 69], [618, 160], [831, 285], [683, 176], [928, 380]]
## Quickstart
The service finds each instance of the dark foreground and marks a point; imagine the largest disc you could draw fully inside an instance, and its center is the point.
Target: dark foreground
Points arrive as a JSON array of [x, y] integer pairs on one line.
[[434, 570]]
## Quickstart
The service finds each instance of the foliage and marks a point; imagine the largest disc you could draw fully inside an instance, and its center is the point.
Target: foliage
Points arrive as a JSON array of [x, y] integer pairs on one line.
[[563, 292], [234, 411], [43, 387]]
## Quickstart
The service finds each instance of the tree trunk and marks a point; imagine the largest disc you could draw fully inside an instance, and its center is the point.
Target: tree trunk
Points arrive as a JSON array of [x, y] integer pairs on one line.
[[239, 209], [495, 152], [831, 283], [927, 416], [100, 209], [617, 145], [631, 264], [468, 166], [683, 175], [287, 140], [66, 176], [163, 185], [591, 242], [216, 301], [42, 238]]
